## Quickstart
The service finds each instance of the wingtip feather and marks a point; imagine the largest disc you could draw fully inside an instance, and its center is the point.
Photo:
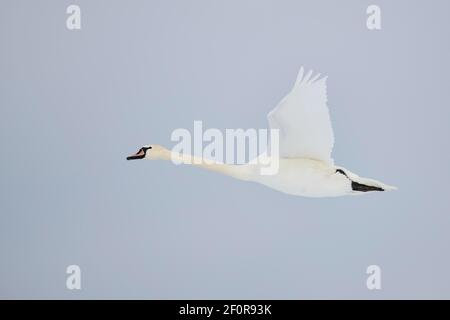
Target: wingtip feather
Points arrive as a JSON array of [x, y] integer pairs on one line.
[[299, 76], [308, 78]]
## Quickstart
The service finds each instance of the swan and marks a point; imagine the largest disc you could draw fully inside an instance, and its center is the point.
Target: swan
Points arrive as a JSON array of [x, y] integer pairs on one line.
[[305, 144]]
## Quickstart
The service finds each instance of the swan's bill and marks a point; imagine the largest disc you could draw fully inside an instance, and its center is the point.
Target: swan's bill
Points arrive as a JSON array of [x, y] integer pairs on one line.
[[140, 154]]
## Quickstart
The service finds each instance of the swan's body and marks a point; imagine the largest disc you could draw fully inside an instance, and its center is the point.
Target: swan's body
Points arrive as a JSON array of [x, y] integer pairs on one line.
[[306, 141], [307, 177]]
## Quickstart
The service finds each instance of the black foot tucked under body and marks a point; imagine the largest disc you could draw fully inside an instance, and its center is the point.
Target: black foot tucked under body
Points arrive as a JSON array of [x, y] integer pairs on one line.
[[359, 186], [364, 188]]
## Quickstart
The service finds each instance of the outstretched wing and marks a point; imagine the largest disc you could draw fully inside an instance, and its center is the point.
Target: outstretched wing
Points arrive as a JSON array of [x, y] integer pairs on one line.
[[304, 121]]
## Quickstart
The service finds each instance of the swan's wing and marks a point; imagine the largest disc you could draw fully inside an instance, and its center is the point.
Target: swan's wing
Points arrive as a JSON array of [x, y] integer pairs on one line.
[[304, 121]]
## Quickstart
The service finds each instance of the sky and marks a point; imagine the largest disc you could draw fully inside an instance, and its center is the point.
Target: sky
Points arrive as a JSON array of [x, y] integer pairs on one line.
[[75, 103]]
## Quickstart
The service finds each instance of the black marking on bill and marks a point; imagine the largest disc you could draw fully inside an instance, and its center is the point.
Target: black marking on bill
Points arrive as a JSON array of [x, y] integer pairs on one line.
[[138, 156]]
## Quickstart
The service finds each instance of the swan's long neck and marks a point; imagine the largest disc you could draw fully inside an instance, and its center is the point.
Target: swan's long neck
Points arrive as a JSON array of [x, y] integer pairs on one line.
[[242, 172]]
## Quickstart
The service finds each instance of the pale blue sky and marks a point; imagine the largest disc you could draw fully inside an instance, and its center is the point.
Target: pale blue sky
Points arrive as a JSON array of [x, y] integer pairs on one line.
[[74, 104]]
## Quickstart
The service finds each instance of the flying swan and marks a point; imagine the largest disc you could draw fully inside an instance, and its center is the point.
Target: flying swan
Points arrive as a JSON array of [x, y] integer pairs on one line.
[[306, 141]]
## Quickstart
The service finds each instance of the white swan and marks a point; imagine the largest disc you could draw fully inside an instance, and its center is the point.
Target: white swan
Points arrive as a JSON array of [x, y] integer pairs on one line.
[[306, 141]]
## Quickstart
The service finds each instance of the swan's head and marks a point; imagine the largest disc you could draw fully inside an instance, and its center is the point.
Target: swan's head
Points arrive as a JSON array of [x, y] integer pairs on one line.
[[148, 152]]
